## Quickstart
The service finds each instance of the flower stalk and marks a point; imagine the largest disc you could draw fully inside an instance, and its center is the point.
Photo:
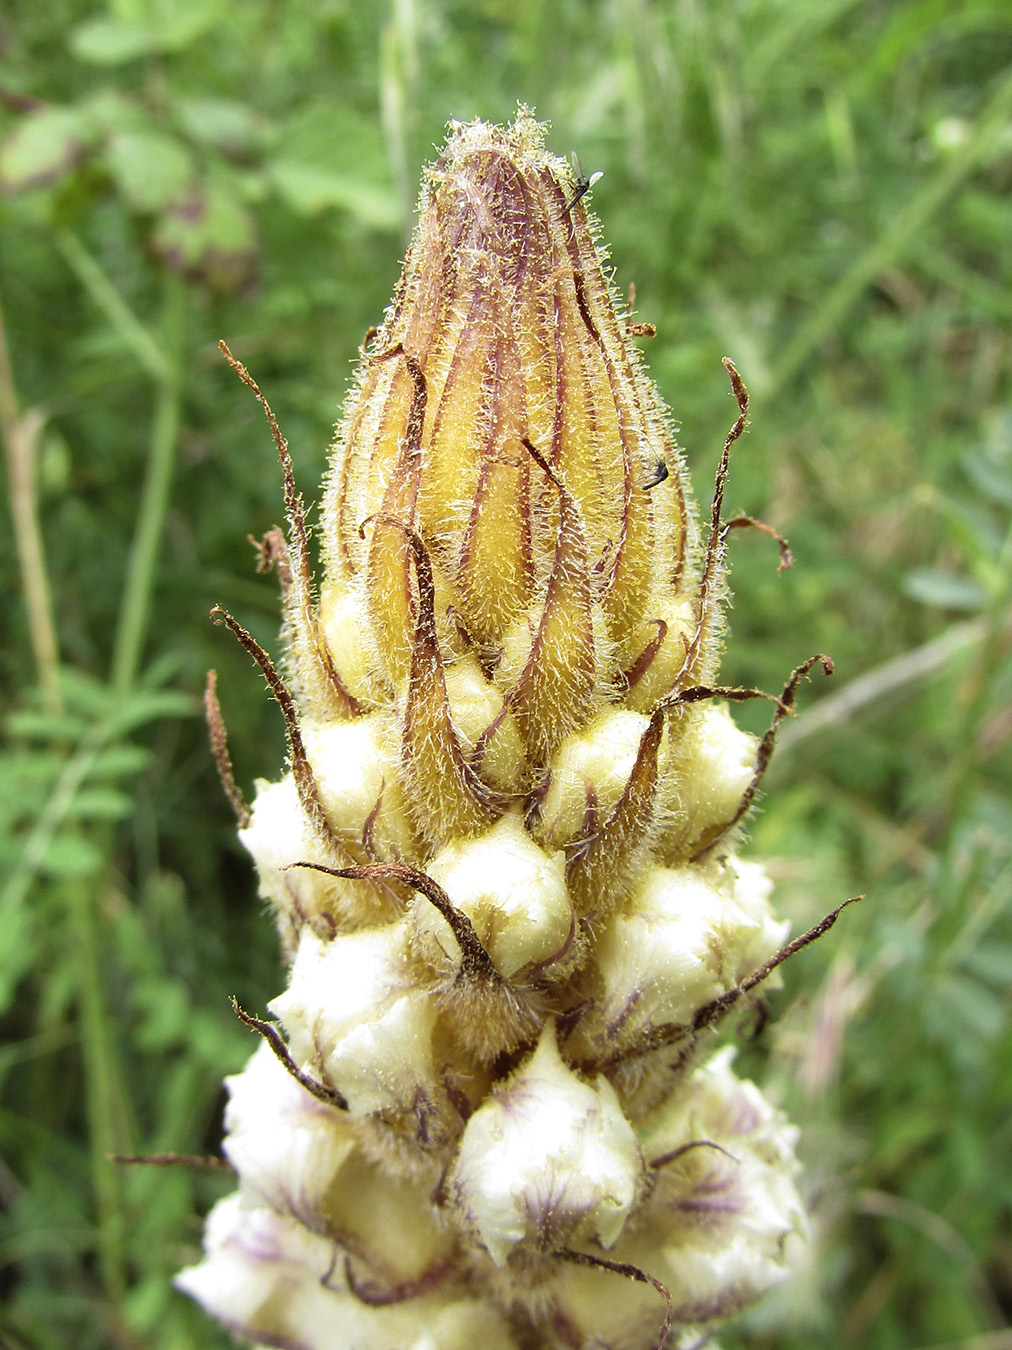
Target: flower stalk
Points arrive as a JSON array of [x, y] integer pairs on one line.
[[504, 860]]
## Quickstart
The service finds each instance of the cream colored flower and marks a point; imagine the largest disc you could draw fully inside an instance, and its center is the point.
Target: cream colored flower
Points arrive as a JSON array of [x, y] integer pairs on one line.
[[503, 863]]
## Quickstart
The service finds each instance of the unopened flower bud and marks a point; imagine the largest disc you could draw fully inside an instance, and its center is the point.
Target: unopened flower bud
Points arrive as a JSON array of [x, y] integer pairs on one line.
[[740, 1219], [723, 1215], [687, 936], [709, 766], [513, 892], [547, 1160], [354, 1015], [288, 1146], [503, 860]]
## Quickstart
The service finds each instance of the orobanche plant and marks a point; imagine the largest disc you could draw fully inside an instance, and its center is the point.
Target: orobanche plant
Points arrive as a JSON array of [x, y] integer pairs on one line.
[[503, 861]]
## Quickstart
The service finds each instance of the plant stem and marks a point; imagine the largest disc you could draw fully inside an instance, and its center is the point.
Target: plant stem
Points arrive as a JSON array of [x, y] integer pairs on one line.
[[399, 94], [20, 434], [162, 361], [100, 1085], [142, 345], [978, 688], [135, 606]]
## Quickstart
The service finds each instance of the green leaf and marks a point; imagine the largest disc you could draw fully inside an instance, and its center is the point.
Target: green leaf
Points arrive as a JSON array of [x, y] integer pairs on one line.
[[992, 963], [164, 1008], [71, 856], [328, 157], [119, 761], [24, 770], [44, 145], [991, 475], [109, 41], [968, 1003], [309, 190], [231, 127], [98, 803], [152, 706], [943, 590], [149, 168], [84, 693], [17, 951], [208, 236], [41, 726], [110, 110]]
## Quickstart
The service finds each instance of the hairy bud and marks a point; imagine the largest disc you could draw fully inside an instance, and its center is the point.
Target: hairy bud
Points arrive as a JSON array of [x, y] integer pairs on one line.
[[503, 863]]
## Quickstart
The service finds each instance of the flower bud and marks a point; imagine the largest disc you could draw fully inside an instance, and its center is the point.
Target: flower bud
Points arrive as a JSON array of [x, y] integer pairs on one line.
[[515, 806], [271, 1280], [687, 936], [286, 1145], [709, 765], [722, 1224], [501, 413], [277, 836], [513, 892], [547, 1160], [740, 1221], [355, 1015], [589, 773]]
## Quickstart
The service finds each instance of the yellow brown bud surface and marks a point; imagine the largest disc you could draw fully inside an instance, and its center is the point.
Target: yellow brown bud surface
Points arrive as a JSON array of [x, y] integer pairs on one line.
[[503, 863]]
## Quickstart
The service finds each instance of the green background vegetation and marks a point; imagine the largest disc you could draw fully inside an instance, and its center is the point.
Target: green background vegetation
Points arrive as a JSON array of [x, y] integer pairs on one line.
[[818, 188]]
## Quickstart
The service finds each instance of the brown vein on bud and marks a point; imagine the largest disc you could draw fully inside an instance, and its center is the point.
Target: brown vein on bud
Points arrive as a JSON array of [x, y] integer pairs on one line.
[[577, 454], [645, 659], [670, 1033], [674, 1154], [345, 527], [551, 693], [597, 873], [479, 1005], [535, 327], [374, 1295], [629, 573], [446, 794], [496, 568], [558, 415], [330, 1096], [630, 1272], [372, 443], [677, 522], [481, 745], [302, 770], [391, 602], [476, 964], [459, 425]]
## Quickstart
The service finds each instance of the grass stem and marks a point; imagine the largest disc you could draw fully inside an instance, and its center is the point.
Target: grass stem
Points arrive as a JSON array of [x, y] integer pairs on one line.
[[98, 1059], [20, 435], [135, 606]]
